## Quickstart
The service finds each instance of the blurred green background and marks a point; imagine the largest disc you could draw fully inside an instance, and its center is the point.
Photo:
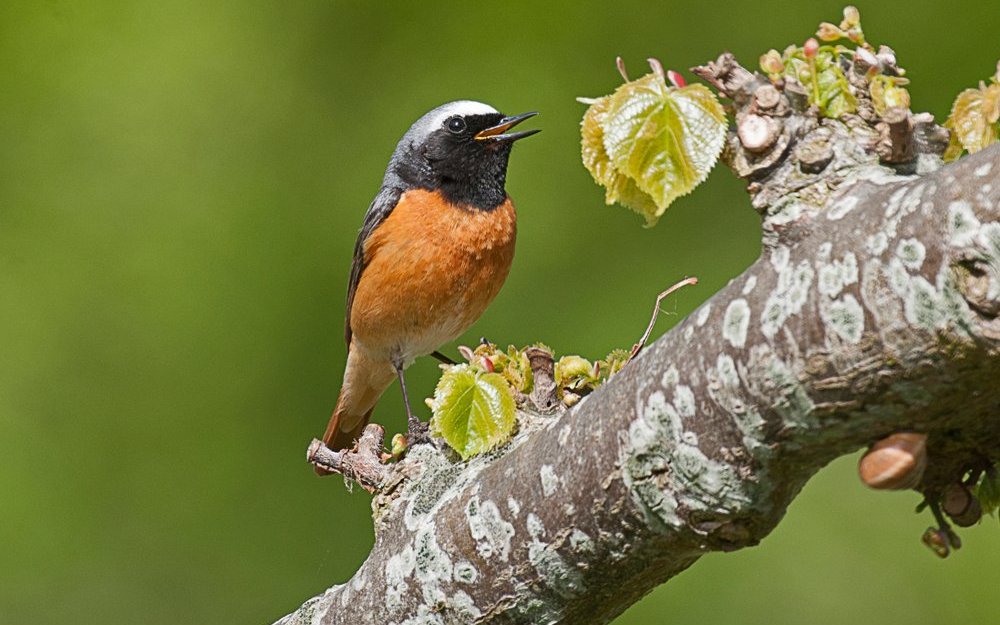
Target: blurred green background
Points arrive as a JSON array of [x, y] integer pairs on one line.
[[180, 187]]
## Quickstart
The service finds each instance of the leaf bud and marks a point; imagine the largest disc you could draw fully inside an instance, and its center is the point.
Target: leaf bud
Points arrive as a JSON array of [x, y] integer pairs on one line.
[[810, 48], [676, 79], [466, 352], [771, 62], [829, 32], [852, 17], [399, 446], [570, 399], [937, 541]]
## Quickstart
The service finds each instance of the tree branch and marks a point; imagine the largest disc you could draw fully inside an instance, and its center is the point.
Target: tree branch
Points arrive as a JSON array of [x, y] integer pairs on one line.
[[873, 309]]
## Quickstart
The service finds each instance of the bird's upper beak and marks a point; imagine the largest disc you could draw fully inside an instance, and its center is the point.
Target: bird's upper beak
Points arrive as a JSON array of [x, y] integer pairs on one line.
[[498, 133]]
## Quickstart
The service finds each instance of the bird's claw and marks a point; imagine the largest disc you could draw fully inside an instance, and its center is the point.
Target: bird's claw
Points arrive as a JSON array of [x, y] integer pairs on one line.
[[418, 432]]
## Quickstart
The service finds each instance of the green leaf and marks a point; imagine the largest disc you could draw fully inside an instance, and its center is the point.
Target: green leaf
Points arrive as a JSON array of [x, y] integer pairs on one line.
[[618, 188], [973, 120], [664, 138], [649, 143], [988, 492], [473, 411]]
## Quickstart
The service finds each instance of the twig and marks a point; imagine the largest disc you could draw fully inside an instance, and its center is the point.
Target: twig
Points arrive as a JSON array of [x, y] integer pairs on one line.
[[363, 464], [656, 311], [896, 145], [725, 74]]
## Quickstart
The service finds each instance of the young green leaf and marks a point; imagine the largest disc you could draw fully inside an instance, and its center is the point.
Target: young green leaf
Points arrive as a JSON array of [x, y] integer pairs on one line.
[[973, 120], [664, 138], [825, 83], [473, 411], [988, 492], [649, 143], [613, 362], [888, 92], [834, 97], [512, 364], [574, 372], [618, 188]]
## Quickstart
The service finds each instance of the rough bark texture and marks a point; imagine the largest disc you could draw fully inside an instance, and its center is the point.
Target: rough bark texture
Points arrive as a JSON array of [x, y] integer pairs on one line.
[[872, 309]]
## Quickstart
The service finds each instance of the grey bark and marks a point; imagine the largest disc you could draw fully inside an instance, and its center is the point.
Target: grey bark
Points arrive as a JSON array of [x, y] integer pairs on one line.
[[874, 308]]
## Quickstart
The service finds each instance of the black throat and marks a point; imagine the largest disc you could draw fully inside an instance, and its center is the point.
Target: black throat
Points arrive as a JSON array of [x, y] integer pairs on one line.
[[483, 185], [475, 176]]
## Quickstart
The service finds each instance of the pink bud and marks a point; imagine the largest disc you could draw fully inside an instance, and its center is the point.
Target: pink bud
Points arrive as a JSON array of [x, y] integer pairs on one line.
[[676, 79], [811, 48], [488, 364]]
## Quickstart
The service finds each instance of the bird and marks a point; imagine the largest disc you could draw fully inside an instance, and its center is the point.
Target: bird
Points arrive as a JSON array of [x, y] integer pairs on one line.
[[434, 249]]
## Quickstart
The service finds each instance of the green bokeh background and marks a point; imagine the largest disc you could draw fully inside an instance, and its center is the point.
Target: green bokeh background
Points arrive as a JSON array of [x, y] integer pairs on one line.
[[180, 187]]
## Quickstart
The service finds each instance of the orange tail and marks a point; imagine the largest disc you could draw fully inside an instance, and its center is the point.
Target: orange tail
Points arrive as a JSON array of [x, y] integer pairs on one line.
[[364, 382]]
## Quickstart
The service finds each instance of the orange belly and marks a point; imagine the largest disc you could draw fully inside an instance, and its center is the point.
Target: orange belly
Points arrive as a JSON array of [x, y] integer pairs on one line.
[[431, 269]]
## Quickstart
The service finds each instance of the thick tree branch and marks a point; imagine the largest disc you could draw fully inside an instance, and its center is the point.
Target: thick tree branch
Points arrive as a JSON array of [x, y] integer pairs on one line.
[[874, 308]]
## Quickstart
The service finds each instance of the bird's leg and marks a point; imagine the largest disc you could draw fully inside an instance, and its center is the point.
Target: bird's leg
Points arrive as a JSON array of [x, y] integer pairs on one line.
[[443, 358], [417, 430]]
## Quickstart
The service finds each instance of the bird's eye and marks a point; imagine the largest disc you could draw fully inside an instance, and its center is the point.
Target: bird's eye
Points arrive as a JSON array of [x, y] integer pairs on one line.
[[455, 125]]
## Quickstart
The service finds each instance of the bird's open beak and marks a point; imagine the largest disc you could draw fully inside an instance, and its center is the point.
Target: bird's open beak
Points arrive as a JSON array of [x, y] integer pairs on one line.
[[498, 133]]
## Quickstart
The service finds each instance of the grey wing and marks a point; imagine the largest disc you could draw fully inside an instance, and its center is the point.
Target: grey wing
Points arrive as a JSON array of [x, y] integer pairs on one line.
[[379, 209]]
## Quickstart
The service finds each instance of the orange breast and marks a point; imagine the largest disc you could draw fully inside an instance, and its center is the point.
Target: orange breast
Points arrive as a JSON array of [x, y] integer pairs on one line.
[[431, 269]]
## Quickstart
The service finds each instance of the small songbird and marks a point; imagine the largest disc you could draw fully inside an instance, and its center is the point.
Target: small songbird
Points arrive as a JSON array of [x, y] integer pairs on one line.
[[434, 249]]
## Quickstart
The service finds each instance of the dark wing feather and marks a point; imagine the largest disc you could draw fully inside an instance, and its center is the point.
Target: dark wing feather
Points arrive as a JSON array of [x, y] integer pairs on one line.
[[379, 209]]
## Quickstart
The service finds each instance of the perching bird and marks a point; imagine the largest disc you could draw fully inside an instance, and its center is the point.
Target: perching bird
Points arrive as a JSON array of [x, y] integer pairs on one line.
[[435, 248]]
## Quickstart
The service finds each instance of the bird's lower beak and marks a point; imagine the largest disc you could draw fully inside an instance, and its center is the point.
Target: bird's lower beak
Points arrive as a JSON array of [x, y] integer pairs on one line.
[[498, 133]]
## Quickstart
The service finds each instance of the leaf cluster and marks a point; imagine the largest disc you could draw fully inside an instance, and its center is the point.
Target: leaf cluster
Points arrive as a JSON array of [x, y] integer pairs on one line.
[[474, 407], [821, 69]]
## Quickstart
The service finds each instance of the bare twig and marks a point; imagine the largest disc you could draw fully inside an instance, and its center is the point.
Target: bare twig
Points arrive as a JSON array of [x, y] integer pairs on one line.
[[363, 464], [725, 74], [896, 145], [656, 311]]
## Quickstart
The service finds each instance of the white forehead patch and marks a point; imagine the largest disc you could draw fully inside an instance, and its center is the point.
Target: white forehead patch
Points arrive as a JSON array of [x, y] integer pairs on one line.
[[434, 119]]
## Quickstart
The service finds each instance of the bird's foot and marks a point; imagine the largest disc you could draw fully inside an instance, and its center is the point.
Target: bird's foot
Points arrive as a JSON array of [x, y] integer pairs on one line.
[[417, 432]]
